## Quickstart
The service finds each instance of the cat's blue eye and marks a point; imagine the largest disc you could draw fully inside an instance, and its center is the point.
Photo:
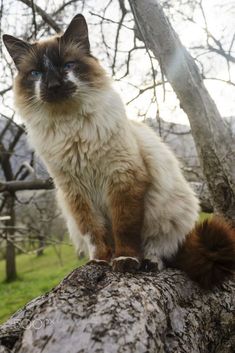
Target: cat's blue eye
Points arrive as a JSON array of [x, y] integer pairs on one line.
[[36, 74], [69, 65]]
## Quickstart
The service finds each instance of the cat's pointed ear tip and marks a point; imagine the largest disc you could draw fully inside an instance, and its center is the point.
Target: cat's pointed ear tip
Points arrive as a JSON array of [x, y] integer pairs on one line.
[[6, 37], [79, 17]]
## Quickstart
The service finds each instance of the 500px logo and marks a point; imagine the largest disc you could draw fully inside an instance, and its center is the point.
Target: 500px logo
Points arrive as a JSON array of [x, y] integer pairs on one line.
[[37, 324]]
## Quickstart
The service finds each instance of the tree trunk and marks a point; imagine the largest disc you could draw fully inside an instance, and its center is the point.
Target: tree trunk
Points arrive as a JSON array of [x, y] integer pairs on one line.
[[41, 244], [10, 248], [202, 192], [212, 139], [97, 310]]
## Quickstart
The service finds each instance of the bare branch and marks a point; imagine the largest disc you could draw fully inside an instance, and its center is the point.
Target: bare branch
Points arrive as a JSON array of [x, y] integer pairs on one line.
[[143, 90], [47, 18], [5, 90], [34, 22], [38, 184], [62, 7], [124, 12]]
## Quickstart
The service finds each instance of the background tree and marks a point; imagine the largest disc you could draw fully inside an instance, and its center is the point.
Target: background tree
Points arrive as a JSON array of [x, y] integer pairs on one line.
[[7, 146], [17, 164], [213, 140]]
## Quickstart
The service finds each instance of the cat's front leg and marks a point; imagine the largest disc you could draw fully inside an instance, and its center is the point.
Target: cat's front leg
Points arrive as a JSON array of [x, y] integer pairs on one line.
[[92, 227], [127, 211]]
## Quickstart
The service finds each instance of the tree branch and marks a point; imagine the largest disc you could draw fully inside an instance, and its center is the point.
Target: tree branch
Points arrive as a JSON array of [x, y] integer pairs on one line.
[[5, 90], [222, 52], [96, 310], [38, 184], [47, 18]]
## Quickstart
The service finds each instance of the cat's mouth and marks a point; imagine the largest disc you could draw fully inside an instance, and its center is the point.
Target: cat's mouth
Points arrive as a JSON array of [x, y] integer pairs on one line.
[[58, 94]]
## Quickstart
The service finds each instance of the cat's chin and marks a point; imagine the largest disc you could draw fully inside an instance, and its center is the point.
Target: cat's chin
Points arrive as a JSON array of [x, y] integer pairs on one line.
[[65, 106], [56, 99]]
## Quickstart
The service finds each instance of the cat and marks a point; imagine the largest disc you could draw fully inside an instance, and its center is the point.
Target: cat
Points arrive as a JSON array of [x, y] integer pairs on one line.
[[119, 186]]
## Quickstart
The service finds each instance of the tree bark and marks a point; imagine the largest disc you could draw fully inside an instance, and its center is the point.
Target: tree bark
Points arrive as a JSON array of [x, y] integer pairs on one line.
[[11, 273], [202, 192], [97, 310], [213, 141]]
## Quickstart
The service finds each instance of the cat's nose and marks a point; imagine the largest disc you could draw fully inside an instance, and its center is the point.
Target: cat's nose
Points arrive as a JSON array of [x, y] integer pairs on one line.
[[53, 83]]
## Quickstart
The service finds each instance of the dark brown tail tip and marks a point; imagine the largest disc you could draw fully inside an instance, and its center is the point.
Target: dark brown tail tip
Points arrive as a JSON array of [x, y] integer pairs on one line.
[[208, 253]]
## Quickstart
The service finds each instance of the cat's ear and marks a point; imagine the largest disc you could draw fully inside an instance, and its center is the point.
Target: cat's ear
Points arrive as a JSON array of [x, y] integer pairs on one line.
[[17, 48], [77, 32]]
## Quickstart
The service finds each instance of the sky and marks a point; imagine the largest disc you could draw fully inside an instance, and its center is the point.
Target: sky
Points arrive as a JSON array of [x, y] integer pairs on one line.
[[220, 21]]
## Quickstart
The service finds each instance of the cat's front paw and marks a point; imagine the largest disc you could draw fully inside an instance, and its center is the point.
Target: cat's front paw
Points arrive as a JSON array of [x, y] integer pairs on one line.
[[98, 262], [125, 264], [149, 266]]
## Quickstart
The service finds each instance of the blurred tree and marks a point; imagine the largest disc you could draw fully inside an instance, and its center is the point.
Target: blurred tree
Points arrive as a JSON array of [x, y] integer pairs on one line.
[[15, 170], [8, 201], [213, 140]]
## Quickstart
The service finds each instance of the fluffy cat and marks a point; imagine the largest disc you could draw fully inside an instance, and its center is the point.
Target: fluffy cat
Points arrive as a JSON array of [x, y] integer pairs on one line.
[[119, 186]]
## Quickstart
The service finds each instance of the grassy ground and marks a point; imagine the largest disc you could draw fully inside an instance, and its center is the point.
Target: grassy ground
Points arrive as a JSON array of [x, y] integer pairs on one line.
[[204, 216], [37, 275]]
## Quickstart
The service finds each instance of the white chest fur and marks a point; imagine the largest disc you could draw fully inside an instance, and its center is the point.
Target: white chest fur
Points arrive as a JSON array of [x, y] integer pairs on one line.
[[78, 138]]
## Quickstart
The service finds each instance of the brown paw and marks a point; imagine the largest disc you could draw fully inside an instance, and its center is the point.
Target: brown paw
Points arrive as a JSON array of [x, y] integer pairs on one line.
[[98, 262], [149, 266], [125, 264]]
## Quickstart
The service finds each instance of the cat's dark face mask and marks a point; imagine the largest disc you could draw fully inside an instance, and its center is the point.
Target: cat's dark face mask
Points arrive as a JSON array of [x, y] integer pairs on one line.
[[54, 78], [55, 84]]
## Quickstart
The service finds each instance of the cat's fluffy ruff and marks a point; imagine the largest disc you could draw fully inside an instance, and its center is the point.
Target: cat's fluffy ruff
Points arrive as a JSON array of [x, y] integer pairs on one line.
[[120, 188]]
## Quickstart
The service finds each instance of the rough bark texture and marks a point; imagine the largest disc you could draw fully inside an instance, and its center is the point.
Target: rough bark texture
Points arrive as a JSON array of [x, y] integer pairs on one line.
[[202, 192], [213, 141], [97, 310], [11, 273]]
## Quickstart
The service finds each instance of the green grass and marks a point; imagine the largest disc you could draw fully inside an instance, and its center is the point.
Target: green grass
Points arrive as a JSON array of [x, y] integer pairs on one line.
[[204, 216], [37, 275]]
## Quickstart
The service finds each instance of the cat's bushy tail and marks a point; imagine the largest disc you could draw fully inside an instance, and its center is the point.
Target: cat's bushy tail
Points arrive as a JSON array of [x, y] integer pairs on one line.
[[208, 253]]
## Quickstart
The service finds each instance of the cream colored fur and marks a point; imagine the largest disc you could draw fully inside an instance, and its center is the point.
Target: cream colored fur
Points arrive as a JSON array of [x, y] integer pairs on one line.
[[86, 146]]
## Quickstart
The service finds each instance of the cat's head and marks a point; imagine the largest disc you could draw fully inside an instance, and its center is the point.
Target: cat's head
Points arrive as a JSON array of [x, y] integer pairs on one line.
[[57, 71]]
